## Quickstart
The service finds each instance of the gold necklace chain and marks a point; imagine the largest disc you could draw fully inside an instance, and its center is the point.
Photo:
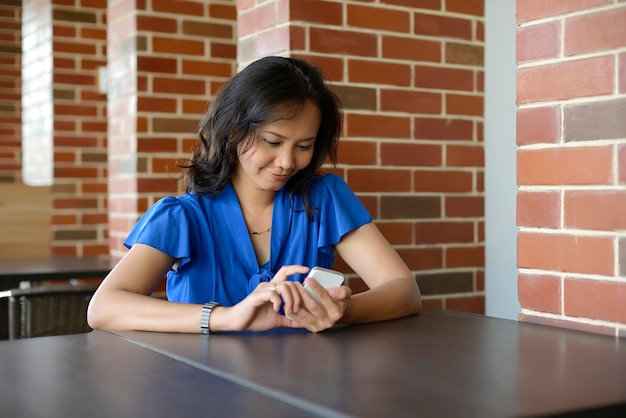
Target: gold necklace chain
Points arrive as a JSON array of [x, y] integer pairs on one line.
[[260, 232]]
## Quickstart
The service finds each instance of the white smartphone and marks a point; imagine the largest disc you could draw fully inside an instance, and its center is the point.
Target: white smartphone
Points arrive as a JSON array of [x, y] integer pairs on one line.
[[326, 277]]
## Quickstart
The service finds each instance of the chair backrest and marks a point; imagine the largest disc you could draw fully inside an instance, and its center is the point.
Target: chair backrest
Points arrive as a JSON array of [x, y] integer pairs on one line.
[[49, 310], [6, 284]]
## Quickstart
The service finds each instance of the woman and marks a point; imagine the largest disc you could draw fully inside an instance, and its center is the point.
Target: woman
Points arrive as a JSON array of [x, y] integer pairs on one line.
[[256, 217]]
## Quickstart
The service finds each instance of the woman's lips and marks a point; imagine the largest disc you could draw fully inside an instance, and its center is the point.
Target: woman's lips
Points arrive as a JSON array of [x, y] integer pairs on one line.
[[277, 177]]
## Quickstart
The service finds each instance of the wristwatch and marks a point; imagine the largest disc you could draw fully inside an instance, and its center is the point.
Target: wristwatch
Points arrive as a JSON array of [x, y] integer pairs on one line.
[[207, 308]]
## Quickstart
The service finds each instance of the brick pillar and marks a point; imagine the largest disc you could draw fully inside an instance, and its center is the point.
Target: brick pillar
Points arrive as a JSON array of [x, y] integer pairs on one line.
[[571, 164], [122, 90], [410, 76], [10, 93], [165, 62]]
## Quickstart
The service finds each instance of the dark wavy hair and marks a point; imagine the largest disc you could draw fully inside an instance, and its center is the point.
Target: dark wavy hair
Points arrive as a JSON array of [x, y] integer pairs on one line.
[[267, 90]]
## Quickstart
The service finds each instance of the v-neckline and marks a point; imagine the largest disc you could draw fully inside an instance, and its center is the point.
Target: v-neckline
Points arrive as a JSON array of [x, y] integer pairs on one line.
[[241, 229]]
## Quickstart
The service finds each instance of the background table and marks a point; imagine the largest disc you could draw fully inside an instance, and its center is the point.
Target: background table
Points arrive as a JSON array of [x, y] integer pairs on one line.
[[34, 270], [54, 268], [439, 363]]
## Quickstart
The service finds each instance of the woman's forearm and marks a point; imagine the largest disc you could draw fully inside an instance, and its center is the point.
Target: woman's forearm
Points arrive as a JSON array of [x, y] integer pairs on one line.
[[394, 299], [122, 310]]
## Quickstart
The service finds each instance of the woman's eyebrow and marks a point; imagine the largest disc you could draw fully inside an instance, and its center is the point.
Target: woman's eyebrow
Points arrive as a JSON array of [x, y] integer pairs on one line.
[[312, 138]]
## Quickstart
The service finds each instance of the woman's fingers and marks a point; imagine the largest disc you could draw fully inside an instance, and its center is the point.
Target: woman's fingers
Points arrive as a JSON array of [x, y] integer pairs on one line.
[[340, 293], [286, 271], [315, 313], [318, 316], [288, 290], [291, 294]]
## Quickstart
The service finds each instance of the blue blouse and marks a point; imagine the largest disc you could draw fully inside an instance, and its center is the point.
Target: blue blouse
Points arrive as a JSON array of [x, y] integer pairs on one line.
[[210, 238]]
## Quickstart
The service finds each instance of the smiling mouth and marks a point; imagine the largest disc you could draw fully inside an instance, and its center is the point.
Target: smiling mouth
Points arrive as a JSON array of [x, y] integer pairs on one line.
[[277, 176]]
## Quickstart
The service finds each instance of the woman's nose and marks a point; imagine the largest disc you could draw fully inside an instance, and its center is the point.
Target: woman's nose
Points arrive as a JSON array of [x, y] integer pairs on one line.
[[285, 158]]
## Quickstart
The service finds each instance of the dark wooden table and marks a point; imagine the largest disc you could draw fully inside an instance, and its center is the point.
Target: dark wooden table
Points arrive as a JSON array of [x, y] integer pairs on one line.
[[100, 375], [436, 364]]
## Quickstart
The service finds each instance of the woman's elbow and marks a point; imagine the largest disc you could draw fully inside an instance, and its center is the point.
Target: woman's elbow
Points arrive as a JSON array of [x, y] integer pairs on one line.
[[96, 314], [416, 307], [414, 300]]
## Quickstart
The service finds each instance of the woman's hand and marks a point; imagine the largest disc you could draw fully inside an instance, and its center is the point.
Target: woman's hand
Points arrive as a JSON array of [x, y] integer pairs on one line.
[[318, 316], [259, 310]]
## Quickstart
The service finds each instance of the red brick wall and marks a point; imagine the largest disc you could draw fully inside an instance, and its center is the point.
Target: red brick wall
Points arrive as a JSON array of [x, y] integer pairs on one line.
[[64, 119], [411, 79], [572, 163], [10, 92]]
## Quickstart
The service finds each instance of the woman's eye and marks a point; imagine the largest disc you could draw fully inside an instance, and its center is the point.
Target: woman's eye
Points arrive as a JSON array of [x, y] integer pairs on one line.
[[271, 143], [304, 147]]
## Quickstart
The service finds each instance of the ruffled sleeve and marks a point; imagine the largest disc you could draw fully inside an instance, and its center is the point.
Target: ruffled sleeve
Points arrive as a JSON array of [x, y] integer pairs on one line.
[[165, 227], [340, 210]]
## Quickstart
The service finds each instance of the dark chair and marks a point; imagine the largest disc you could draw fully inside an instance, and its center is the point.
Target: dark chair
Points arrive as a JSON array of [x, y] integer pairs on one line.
[[49, 310], [5, 285]]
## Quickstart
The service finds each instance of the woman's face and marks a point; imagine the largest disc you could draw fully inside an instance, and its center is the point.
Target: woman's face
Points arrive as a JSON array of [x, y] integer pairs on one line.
[[279, 150]]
